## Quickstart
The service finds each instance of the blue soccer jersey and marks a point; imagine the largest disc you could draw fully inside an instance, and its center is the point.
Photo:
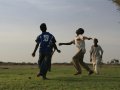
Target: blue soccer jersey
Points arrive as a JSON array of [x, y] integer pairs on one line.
[[45, 40]]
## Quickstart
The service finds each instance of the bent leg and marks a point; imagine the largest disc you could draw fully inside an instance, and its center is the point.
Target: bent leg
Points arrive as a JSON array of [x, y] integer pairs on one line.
[[85, 66], [76, 63]]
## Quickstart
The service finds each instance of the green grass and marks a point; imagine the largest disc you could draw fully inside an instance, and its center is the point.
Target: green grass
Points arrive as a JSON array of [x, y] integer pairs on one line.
[[61, 78]]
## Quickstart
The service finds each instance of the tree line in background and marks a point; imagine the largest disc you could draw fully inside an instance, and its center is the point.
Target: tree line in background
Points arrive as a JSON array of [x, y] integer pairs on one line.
[[112, 61], [17, 63]]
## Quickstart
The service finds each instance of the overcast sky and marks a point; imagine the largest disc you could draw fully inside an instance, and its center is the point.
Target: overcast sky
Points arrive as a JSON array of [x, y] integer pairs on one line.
[[20, 20]]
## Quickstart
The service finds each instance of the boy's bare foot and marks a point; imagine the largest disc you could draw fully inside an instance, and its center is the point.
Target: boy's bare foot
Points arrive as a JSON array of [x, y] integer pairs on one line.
[[90, 72], [77, 73], [45, 78], [38, 75]]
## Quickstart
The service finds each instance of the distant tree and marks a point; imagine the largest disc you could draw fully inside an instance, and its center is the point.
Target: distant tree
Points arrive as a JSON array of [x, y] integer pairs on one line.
[[114, 61]]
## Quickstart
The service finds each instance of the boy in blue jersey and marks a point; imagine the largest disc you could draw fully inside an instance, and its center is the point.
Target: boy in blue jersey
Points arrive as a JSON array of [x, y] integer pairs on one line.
[[46, 41]]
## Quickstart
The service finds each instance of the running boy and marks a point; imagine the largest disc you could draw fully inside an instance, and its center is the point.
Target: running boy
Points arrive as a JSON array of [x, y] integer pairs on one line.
[[46, 41], [96, 53], [79, 41]]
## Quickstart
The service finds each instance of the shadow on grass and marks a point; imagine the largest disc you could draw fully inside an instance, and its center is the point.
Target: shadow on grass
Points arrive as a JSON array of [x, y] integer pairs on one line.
[[101, 78], [94, 78], [69, 79], [4, 68]]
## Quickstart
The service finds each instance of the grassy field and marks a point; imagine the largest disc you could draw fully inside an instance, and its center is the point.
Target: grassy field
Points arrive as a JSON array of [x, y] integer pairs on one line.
[[61, 78]]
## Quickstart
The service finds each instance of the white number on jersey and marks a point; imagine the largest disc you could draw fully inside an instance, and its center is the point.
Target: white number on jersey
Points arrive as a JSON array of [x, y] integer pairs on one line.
[[46, 38]]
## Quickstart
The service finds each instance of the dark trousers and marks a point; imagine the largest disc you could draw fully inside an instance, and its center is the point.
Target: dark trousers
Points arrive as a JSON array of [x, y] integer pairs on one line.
[[78, 61], [44, 63]]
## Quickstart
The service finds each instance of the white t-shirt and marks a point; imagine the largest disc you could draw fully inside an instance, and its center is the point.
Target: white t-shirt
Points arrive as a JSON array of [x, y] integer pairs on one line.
[[96, 52], [80, 43]]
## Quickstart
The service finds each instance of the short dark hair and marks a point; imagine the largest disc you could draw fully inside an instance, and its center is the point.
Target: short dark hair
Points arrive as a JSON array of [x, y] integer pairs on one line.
[[80, 31], [95, 39], [43, 27]]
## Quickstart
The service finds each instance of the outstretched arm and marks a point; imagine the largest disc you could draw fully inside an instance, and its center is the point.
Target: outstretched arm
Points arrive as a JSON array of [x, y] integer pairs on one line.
[[69, 43], [34, 52], [88, 38]]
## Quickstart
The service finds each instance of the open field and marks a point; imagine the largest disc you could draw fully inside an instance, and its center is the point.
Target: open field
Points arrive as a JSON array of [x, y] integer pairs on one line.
[[23, 77]]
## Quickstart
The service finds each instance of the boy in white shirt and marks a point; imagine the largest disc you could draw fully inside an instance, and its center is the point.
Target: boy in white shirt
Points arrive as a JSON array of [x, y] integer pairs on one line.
[[96, 53], [79, 41]]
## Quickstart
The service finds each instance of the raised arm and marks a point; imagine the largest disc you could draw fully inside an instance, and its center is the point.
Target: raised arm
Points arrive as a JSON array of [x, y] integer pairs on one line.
[[86, 38]]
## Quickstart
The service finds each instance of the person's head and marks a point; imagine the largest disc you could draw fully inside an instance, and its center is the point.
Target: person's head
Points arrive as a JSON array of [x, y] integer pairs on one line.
[[80, 31], [95, 40], [43, 27]]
